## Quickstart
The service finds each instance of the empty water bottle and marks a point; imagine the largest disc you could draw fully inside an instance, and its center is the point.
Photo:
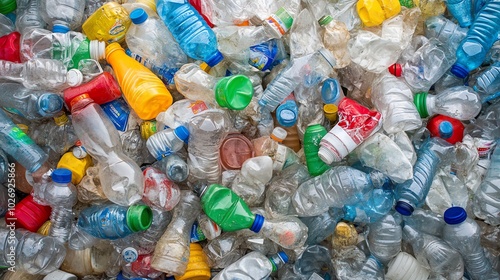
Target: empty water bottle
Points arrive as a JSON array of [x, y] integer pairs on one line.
[[444, 30], [28, 16], [461, 11], [253, 265], [377, 204], [486, 201], [166, 142], [175, 167], [384, 238], [62, 15], [159, 191]]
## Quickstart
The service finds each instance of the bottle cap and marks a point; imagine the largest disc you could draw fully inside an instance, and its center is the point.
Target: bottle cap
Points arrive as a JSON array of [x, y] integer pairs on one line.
[[74, 77], [215, 59], [285, 113], [79, 98], [8, 7], [234, 92], [331, 111], [60, 275], [257, 223], [138, 16], [182, 132], [50, 104], [235, 150], [445, 129], [328, 56], [148, 128], [79, 151], [420, 101], [404, 208], [455, 215], [331, 91], [283, 256], [395, 69], [339, 145], [139, 217], [59, 28], [130, 255], [61, 119], [324, 20], [61, 175], [279, 134], [97, 50], [23, 127], [459, 71]]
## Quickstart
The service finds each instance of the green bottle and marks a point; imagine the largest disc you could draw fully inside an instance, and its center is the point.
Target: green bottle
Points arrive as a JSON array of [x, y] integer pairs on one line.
[[227, 209], [312, 137], [88, 50], [7, 6]]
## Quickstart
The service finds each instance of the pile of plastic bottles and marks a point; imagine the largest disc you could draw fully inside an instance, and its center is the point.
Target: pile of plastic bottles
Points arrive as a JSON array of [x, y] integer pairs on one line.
[[241, 139]]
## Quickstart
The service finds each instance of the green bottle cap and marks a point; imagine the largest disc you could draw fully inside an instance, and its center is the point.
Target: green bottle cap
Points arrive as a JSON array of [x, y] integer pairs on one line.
[[7, 6], [420, 101], [324, 20], [139, 217], [234, 92], [407, 3]]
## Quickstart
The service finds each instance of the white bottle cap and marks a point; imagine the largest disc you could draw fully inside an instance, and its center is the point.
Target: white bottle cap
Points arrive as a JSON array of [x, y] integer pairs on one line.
[[405, 266], [74, 77], [130, 254], [336, 145], [279, 134], [60, 275], [97, 50]]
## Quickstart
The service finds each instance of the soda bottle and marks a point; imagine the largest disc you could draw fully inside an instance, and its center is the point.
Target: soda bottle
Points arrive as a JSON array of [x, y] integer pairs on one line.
[[102, 89]]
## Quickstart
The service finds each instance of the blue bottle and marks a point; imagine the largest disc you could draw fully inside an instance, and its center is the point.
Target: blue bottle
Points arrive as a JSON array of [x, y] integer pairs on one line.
[[111, 221], [378, 204], [190, 30], [487, 83], [461, 10], [262, 56], [287, 113], [322, 226], [482, 34]]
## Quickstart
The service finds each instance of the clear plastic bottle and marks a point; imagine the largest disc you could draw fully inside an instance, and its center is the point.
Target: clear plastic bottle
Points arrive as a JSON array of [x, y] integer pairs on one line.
[[28, 103], [384, 238], [180, 113], [207, 130], [121, 178], [149, 39], [19, 145], [314, 259], [335, 38], [486, 205], [338, 186], [171, 254], [487, 83], [372, 269], [28, 16], [460, 102], [253, 265], [434, 254], [199, 42], [61, 196], [250, 183], [322, 226], [6, 25], [444, 30], [377, 204], [58, 134], [463, 234], [168, 141], [461, 10], [175, 167], [64, 14], [481, 35], [281, 155], [425, 221], [158, 190], [394, 100], [34, 253]]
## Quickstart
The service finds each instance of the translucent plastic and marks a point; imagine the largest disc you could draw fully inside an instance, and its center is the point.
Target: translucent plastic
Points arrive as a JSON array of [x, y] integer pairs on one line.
[[224, 250], [461, 10], [164, 143], [288, 231], [121, 178], [253, 265], [171, 254], [426, 221], [487, 83], [68, 13], [159, 191], [372, 269], [28, 16], [334, 188], [250, 184], [461, 103], [335, 38], [444, 30], [384, 238], [377, 204], [175, 167], [59, 136], [487, 197], [322, 226], [180, 113], [195, 84]]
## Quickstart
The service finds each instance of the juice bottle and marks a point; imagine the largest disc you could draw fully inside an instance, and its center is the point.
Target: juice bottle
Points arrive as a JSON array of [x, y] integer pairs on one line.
[[102, 89], [144, 91], [109, 23]]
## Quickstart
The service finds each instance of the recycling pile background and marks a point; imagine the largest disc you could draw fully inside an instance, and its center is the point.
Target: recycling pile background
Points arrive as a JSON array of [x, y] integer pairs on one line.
[[238, 139]]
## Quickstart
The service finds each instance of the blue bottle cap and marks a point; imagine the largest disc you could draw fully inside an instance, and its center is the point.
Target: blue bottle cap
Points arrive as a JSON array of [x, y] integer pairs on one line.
[[283, 256], [459, 71], [138, 16], [61, 175], [330, 91], [182, 132], [404, 208], [445, 129], [215, 59], [455, 215], [257, 223], [286, 117], [50, 104], [59, 28]]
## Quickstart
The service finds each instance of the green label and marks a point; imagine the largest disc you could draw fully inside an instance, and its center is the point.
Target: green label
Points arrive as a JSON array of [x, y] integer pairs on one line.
[[19, 135]]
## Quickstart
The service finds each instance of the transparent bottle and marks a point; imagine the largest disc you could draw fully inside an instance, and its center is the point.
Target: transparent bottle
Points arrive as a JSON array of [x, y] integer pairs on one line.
[[486, 205], [463, 234], [321, 226], [253, 265], [377, 204], [444, 30], [175, 167], [179, 113], [28, 16], [250, 183], [121, 178], [336, 187], [166, 142], [65, 14], [487, 83], [384, 238], [425, 221], [171, 254], [158, 190], [372, 269], [58, 134]]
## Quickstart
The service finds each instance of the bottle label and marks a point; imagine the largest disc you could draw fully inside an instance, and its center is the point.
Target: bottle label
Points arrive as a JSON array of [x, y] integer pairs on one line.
[[279, 158], [279, 20], [197, 234], [258, 60], [118, 112], [484, 147], [117, 28], [19, 135], [198, 106]]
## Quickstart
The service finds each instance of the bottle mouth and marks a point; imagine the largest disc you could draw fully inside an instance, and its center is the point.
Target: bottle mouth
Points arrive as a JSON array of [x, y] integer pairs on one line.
[[50, 104], [459, 70]]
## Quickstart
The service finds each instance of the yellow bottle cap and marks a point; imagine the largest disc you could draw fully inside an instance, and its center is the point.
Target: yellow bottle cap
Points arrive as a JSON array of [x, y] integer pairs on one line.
[[44, 229], [331, 111], [62, 119], [23, 127], [205, 67], [148, 128]]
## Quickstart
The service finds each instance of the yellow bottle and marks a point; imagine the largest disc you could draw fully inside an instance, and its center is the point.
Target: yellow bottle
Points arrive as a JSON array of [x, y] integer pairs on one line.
[[77, 166], [144, 91], [197, 268], [109, 23], [374, 12]]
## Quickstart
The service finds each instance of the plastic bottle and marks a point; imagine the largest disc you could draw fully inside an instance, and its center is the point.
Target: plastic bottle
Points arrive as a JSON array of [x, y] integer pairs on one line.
[[444, 30], [207, 130], [460, 102], [463, 234], [88, 50], [28, 16], [412, 193], [250, 183], [111, 221], [486, 204], [28, 214], [28, 103], [197, 267], [338, 186], [378, 203], [175, 167], [168, 141], [281, 155], [461, 11], [384, 238], [405, 266], [180, 113], [109, 23], [394, 100], [121, 178], [199, 42], [253, 265], [62, 14], [314, 259], [172, 252], [374, 12], [102, 89], [20, 146], [425, 221], [144, 91], [149, 39], [481, 35], [322, 226], [434, 254], [33, 253], [449, 129], [10, 47], [312, 138], [372, 269], [356, 123], [61, 196], [158, 190], [487, 83], [287, 113]]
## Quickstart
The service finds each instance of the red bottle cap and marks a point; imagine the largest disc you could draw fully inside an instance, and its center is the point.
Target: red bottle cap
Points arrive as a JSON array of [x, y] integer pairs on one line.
[[449, 129], [28, 214], [235, 149], [395, 69], [9, 47], [102, 89]]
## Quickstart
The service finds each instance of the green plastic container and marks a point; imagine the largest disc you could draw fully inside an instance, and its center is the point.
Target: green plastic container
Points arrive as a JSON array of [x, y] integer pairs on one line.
[[312, 137], [234, 92]]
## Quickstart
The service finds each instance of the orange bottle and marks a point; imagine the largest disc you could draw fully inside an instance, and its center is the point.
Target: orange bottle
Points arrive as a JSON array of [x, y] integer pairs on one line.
[[197, 268], [144, 91]]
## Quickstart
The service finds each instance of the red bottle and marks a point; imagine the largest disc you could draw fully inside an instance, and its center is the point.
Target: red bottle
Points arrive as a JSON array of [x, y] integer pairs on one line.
[[28, 214], [198, 6], [449, 129], [9, 47], [159, 190], [102, 89]]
